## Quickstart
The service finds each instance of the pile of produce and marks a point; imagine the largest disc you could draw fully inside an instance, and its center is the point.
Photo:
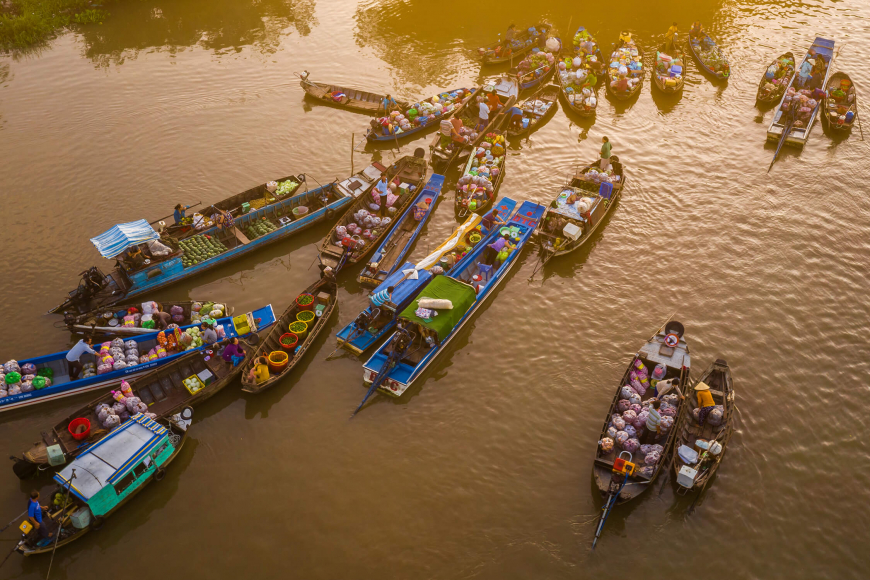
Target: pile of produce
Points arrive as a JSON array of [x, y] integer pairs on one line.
[[714, 417], [125, 406], [710, 54], [517, 44], [422, 113], [777, 78], [841, 101], [669, 69], [535, 65], [199, 249], [598, 176], [287, 187], [365, 227], [476, 186], [806, 104], [15, 379], [259, 228], [193, 384], [626, 62], [207, 310]]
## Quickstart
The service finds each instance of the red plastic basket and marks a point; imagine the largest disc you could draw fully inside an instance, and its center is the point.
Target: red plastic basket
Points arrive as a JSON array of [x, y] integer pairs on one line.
[[75, 423]]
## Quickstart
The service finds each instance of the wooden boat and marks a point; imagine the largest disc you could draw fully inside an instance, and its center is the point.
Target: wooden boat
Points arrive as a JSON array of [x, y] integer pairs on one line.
[[105, 476], [350, 99], [708, 56], [634, 53], [694, 463], [325, 293], [100, 322], [536, 110], [57, 366], [663, 76], [784, 63], [280, 220], [796, 131], [564, 228], [570, 89], [163, 390], [477, 198], [443, 152], [408, 173], [397, 243], [616, 487], [837, 109], [523, 43], [380, 137], [543, 69], [399, 362], [407, 281]]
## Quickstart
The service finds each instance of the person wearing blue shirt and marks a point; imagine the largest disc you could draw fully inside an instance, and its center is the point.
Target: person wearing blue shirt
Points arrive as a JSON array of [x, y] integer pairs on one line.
[[179, 212], [805, 71], [383, 189], [389, 103], [383, 296], [34, 512]]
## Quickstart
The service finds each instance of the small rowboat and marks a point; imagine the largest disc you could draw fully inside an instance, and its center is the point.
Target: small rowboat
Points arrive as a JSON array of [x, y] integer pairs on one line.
[[324, 292], [785, 65], [564, 229], [478, 198], [708, 56], [408, 174], [97, 323], [664, 76], [380, 137], [393, 249], [536, 110], [523, 42], [543, 68], [694, 462], [106, 476], [839, 107], [634, 54], [345, 98], [570, 88]]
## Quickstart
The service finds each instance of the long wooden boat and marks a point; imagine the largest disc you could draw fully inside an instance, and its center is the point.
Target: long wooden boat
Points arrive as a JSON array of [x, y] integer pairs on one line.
[[664, 77], [407, 281], [541, 66], [799, 130], [61, 386], [523, 42], [569, 88], [784, 65], [694, 463], [566, 227], [839, 107], [325, 291], [397, 243], [708, 56], [478, 187], [106, 476], [443, 152], [455, 98], [340, 247], [344, 97], [109, 321], [633, 54], [536, 111], [397, 364], [677, 362], [189, 258]]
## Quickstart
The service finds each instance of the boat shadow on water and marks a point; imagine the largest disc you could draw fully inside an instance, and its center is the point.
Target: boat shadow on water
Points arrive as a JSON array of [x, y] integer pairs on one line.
[[667, 102]]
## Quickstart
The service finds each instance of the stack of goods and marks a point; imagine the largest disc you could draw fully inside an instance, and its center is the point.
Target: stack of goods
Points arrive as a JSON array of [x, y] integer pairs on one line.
[[536, 108], [803, 104], [125, 406], [516, 45], [579, 86], [206, 310], [598, 176], [201, 222], [626, 63], [286, 187], [841, 101], [15, 379], [714, 417], [536, 65], [422, 113], [777, 78], [476, 186], [199, 249], [365, 227], [117, 355], [257, 228], [669, 69], [337, 96], [710, 54]]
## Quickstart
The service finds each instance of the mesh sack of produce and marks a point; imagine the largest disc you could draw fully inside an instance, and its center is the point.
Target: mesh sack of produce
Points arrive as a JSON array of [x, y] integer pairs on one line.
[[646, 449], [12, 378], [631, 445], [118, 407], [621, 437], [640, 422], [623, 405], [144, 359], [117, 343], [636, 408], [126, 390], [637, 387], [119, 364], [176, 310], [131, 345], [15, 390], [630, 429], [606, 444], [102, 414], [131, 402], [611, 432], [646, 471], [116, 352], [629, 416], [196, 307], [100, 407], [671, 399], [3, 393], [26, 386], [652, 458], [12, 367], [28, 369], [139, 407], [150, 415], [626, 392], [667, 410], [666, 424], [111, 422], [715, 416], [634, 399], [618, 422], [27, 377]]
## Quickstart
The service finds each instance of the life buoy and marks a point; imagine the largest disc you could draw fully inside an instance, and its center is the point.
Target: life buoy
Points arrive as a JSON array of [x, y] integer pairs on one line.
[[159, 474], [672, 340]]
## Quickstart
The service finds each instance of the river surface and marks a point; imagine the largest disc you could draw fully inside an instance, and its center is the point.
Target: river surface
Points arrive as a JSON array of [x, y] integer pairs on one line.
[[483, 469]]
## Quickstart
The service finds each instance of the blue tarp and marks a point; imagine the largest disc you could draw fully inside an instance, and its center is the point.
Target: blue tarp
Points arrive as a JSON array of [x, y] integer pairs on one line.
[[405, 288], [122, 236]]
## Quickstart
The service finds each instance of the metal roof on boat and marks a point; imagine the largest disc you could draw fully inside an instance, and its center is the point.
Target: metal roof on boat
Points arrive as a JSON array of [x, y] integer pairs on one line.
[[404, 288], [120, 237]]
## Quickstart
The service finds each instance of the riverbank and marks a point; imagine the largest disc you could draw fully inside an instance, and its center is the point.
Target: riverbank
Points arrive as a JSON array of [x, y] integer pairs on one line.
[[29, 23]]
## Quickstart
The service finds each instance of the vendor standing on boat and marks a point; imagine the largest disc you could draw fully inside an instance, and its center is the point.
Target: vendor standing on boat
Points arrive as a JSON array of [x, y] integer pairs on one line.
[[805, 71], [383, 190], [671, 37], [389, 104], [492, 100], [705, 401], [696, 30], [624, 39], [483, 114], [178, 214], [605, 154], [75, 353], [490, 220], [508, 40], [34, 514]]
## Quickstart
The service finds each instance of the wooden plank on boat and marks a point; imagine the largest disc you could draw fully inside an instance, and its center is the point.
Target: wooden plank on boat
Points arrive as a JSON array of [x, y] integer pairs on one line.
[[243, 239]]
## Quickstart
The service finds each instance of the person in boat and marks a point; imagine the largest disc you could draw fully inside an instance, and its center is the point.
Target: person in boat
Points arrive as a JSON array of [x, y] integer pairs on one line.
[[616, 166], [508, 40], [816, 80], [805, 71], [162, 319], [490, 253], [383, 190], [233, 352], [671, 38], [380, 298], [389, 104], [209, 336], [621, 84], [491, 219], [75, 354], [35, 514], [483, 114], [178, 214], [516, 116], [705, 401], [653, 423], [605, 153], [696, 30], [624, 39], [492, 100], [133, 258], [662, 388], [328, 275]]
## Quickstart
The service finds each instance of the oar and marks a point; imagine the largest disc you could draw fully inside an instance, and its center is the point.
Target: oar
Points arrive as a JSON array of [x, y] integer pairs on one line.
[[172, 214], [785, 132], [859, 122], [22, 514], [60, 525]]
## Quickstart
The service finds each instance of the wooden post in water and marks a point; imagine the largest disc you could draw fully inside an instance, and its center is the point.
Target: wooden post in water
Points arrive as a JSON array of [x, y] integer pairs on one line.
[[352, 138]]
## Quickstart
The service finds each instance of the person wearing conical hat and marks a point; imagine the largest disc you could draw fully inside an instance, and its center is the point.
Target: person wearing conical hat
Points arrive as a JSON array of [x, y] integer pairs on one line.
[[705, 401]]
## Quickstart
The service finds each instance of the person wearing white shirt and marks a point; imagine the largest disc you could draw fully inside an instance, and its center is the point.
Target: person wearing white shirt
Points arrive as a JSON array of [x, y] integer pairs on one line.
[[75, 353], [483, 115]]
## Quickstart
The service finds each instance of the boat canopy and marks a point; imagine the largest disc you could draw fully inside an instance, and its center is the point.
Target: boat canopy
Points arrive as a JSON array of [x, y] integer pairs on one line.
[[112, 457], [120, 237], [404, 289], [459, 293]]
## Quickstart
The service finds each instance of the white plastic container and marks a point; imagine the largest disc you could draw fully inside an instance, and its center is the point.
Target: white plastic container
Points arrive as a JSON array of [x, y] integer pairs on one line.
[[686, 477], [572, 231]]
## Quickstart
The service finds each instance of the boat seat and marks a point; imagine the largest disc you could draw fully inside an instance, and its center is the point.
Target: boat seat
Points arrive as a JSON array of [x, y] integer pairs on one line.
[[243, 239], [485, 271]]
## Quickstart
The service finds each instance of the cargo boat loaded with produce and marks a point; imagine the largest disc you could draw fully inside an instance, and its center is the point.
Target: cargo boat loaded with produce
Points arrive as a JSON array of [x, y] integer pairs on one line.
[[179, 253]]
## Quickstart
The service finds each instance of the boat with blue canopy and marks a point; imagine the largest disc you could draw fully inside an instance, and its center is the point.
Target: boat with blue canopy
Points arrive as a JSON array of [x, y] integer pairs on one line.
[[106, 476], [396, 245], [146, 260], [56, 367], [445, 305]]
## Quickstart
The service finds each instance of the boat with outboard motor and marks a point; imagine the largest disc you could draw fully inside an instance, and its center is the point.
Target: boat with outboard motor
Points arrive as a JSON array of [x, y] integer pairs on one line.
[[111, 321], [343, 97]]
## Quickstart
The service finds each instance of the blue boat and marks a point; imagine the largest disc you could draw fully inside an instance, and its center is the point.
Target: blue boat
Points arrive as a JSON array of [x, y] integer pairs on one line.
[[241, 326], [416, 344], [454, 96], [192, 252], [375, 322], [399, 240], [106, 476]]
